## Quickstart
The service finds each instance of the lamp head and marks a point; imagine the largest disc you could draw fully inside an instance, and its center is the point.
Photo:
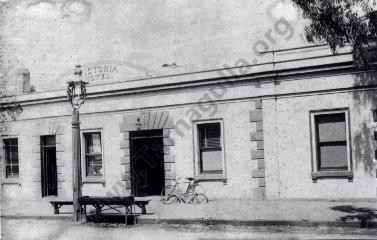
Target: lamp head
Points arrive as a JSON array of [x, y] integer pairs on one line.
[[76, 91]]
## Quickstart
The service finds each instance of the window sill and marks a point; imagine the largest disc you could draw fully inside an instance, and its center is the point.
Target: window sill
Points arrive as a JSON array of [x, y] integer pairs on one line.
[[93, 180], [332, 174], [12, 181], [212, 177]]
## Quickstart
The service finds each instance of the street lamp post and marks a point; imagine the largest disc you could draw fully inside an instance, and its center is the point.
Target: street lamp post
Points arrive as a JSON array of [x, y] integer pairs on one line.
[[76, 92]]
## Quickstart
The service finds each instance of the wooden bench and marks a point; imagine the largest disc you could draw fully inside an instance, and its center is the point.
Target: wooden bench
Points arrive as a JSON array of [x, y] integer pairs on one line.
[[58, 204], [141, 204], [99, 202], [84, 200]]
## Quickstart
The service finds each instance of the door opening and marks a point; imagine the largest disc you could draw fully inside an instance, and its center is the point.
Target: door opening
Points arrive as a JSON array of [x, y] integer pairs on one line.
[[48, 166], [147, 162]]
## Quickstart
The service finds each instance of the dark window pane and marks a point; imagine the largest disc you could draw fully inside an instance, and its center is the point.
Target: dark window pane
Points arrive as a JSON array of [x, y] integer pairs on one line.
[[333, 157], [210, 148], [209, 135], [331, 127], [7, 154], [8, 171], [11, 157], [88, 143], [49, 140], [15, 170], [14, 155], [14, 141]]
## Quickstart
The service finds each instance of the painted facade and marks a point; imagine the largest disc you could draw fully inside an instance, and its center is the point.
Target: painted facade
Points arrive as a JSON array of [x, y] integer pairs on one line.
[[266, 130]]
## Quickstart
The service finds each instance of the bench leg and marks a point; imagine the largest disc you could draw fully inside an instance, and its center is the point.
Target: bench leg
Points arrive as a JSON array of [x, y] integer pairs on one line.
[[98, 209], [143, 210], [142, 207], [56, 209]]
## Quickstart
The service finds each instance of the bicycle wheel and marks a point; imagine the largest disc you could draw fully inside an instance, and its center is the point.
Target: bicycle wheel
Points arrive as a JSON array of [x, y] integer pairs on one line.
[[199, 189], [171, 199], [166, 192], [200, 198]]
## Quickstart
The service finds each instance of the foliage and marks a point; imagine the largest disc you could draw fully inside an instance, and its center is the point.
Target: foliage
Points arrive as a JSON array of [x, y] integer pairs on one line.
[[9, 109], [339, 22]]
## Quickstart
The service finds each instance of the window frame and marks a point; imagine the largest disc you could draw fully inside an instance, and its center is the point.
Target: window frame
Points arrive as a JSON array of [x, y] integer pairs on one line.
[[208, 176], [12, 179], [85, 178], [316, 173]]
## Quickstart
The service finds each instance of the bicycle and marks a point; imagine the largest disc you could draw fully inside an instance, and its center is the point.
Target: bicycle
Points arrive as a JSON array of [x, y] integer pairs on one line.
[[194, 193]]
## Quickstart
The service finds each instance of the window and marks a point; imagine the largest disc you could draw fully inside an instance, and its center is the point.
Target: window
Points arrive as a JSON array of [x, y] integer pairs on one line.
[[209, 150], [93, 154], [11, 157], [331, 151]]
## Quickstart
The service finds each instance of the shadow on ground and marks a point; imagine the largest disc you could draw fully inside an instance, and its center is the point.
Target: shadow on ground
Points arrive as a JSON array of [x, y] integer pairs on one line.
[[366, 216]]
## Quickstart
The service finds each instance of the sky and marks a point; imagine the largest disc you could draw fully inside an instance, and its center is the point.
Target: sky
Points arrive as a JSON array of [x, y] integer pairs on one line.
[[49, 37]]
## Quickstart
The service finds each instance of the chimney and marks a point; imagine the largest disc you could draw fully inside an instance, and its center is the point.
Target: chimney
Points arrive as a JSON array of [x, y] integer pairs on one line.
[[23, 81]]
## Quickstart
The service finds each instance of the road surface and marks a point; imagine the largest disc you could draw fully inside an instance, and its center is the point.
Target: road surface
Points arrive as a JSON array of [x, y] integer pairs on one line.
[[62, 229]]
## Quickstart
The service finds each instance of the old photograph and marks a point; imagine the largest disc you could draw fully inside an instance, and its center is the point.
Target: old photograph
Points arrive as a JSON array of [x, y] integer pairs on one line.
[[188, 119]]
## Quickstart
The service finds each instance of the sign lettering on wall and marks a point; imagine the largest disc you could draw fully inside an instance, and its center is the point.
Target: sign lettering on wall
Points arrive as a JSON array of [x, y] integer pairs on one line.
[[100, 72], [107, 72]]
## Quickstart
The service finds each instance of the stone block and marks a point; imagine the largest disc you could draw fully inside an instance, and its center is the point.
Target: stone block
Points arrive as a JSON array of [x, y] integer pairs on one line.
[[125, 176], [259, 193], [258, 104], [258, 154], [256, 115], [59, 155], [126, 135], [168, 182], [167, 166], [170, 175], [125, 160], [262, 182], [61, 178], [59, 170], [168, 141], [161, 119], [36, 148], [126, 152], [166, 133], [37, 164], [60, 147], [166, 150], [261, 164], [256, 136], [169, 159], [258, 173], [259, 126], [260, 145], [169, 123], [62, 193], [59, 139], [122, 127], [124, 144], [60, 163], [126, 192], [127, 168], [37, 178]]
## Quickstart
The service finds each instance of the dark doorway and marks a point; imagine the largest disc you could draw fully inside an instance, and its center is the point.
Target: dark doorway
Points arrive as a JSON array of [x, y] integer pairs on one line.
[[48, 166], [147, 162]]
